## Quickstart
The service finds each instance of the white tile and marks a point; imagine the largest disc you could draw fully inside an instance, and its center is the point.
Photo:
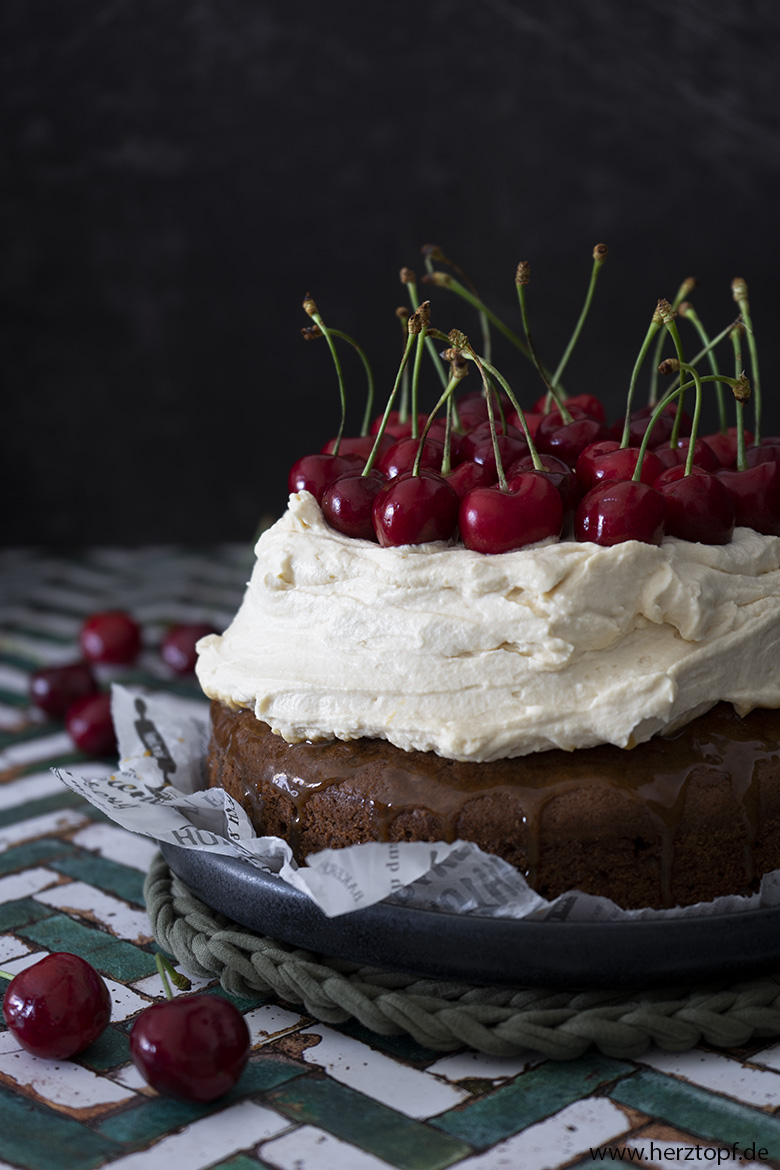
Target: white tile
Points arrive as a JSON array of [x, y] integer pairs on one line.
[[116, 843], [11, 948], [410, 1091], [30, 751], [39, 650], [269, 1021], [569, 1134], [87, 901], [13, 679], [60, 1083], [59, 821], [44, 783], [309, 1148], [26, 883], [207, 1141], [481, 1065], [12, 718], [129, 1076], [720, 1074], [152, 984]]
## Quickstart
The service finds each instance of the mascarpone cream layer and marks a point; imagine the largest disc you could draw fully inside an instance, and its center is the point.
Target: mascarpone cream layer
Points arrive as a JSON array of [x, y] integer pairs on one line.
[[436, 648]]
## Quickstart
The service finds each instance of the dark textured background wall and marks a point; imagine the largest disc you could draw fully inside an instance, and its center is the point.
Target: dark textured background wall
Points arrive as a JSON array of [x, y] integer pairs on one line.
[[176, 176]]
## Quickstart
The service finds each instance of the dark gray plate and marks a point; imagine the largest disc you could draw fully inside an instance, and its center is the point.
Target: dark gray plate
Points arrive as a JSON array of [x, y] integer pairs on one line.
[[488, 950]]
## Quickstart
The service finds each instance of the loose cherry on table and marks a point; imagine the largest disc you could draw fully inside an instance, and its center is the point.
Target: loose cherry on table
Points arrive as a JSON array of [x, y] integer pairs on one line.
[[90, 725], [177, 649], [55, 688], [111, 637], [194, 1047], [415, 509], [315, 473], [699, 506], [57, 1007], [624, 510], [495, 521], [607, 461], [348, 504]]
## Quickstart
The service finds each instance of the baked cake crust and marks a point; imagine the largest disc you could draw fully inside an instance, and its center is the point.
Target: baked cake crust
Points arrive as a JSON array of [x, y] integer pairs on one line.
[[676, 820]]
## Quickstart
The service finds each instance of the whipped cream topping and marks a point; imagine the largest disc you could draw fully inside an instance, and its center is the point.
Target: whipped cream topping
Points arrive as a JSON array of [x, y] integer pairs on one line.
[[437, 648]]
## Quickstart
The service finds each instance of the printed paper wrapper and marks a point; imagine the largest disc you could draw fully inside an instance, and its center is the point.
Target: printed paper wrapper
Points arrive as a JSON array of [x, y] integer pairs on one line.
[[160, 791]]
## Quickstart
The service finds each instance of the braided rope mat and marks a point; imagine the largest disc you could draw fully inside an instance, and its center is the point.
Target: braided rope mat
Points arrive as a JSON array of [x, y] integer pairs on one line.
[[445, 1016]]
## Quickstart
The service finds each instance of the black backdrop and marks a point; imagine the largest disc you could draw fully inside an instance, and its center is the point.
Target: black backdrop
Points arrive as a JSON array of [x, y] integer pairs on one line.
[[177, 175]]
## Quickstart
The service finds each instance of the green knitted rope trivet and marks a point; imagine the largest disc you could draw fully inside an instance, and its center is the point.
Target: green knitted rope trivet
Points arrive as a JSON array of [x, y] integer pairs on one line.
[[445, 1016]]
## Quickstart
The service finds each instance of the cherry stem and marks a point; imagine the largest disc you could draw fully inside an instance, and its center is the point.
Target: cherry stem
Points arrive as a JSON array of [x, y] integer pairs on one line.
[[403, 407], [311, 308], [667, 312], [411, 284], [687, 286], [521, 280], [538, 465], [431, 253], [687, 311], [446, 397], [674, 393], [696, 414], [369, 376], [6, 975], [600, 253], [736, 341], [655, 325], [166, 971], [740, 291], [377, 442], [416, 381]]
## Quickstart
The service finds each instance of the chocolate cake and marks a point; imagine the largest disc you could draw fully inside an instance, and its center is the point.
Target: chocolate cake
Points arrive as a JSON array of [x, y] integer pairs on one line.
[[676, 820]]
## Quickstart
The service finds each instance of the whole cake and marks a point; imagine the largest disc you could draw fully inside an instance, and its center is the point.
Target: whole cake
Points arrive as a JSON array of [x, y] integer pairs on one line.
[[558, 644]]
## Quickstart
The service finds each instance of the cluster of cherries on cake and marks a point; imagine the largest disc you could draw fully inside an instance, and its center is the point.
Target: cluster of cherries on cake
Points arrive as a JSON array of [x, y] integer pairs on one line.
[[504, 478]]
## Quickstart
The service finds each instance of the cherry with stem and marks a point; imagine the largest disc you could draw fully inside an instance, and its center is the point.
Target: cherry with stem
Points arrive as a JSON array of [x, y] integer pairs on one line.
[[600, 253], [409, 278], [687, 286], [687, 311], [739, 290]]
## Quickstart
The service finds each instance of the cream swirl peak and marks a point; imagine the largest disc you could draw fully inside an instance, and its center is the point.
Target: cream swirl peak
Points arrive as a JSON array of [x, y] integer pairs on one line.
[[475, 657]]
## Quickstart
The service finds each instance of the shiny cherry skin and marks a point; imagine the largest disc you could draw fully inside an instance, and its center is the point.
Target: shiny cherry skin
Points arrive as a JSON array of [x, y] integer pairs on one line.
[[532, 420], [315, 473], [177, 648], [607, 461], [395, 428], [510, 449], [111, 637], [348, 504], [725, 446], [613, 513], [90, 725], [559, 474], [699, 506], [401, 456], [765, 453], [756, 496], [438, 431], [55, 688], [360, 445], [568, 440], [415, 509], [194, 1047], [496, 521], [468, 475], [480, 435], [703, 455], [57, 1007], [662, 430], [587, 402]]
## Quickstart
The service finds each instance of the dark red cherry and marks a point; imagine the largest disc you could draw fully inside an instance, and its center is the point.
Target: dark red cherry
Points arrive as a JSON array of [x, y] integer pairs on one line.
[[90, 726], [568, 440], [616, 512], [698, 506], [315, 473], [348, 504], [559, 474], [587, 402], [662, 430], [468, 475], [765, 453], [480, 435], [177, 648], [725, 446], [510, 449], [756, 496], [703, 455], [437, 431], [532, 421], [472, 409], [57, 1007], [496, 521], [112, 637], [194, 1047], [395, 428], [55, 688], [415, 509], [401, 456], [606, 461], [360, 445]]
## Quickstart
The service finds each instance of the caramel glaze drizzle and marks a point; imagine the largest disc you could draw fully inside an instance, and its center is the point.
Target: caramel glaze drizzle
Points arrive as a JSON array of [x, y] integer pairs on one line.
[[656, 774]]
